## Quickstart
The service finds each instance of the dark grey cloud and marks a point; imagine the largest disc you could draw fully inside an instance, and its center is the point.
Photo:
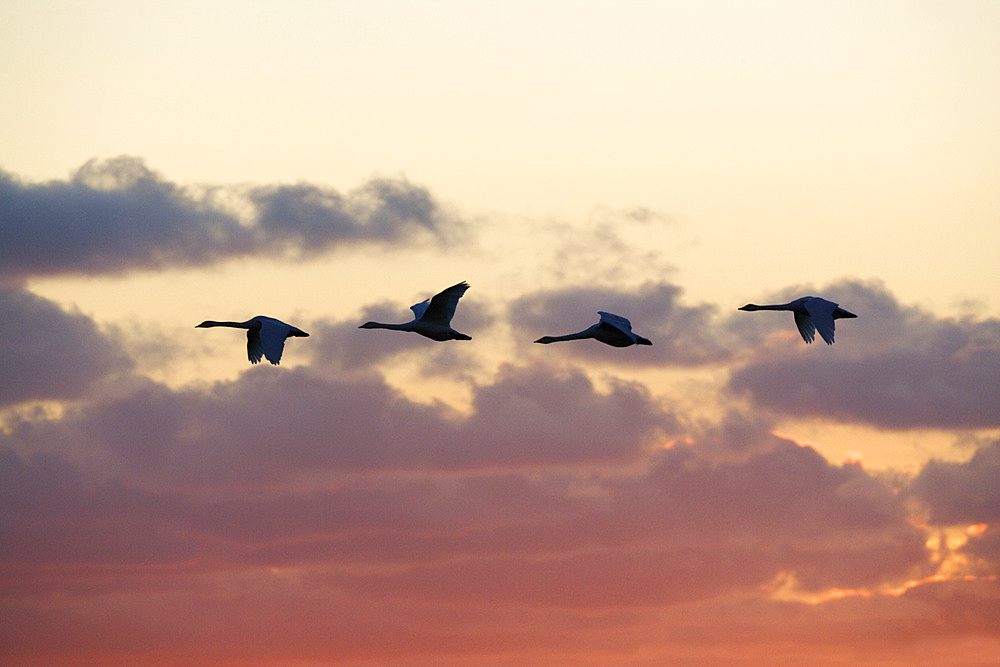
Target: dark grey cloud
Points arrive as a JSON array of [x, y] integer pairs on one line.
[[48, 353], [900, 367], [118, 215], [310, 218], [681, 335], [967, 492], [108, 218], [984, 549]]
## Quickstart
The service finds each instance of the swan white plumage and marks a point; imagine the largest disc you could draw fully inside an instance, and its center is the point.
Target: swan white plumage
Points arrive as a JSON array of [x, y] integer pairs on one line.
[[611, 330], [812, 314], [431, 317], [265, 336]]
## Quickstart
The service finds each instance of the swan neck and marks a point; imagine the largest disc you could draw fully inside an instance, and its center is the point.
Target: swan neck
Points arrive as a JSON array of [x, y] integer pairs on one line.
[[214, 323], [573, 336], [777, 306], [385, 325]]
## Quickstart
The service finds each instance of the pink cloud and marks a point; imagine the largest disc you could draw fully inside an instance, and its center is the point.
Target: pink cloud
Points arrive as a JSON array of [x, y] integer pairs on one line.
[[296, 516]]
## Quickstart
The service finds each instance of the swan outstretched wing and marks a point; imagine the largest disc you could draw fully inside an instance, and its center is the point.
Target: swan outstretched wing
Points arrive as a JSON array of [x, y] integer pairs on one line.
[[420, 308], [255, 350], [617, 322], [805, 325], [442, 305], [821, 316], [616, 330], [271, 339]]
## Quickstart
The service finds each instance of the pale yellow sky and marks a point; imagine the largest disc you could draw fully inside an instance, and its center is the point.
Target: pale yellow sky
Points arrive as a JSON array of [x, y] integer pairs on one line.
[[775, 144], [791, 142]]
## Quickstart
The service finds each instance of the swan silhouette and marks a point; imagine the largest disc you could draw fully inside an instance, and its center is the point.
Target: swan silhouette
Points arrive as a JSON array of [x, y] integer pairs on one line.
[[265, 336], [611, 330], [812, 314], [432, 317]]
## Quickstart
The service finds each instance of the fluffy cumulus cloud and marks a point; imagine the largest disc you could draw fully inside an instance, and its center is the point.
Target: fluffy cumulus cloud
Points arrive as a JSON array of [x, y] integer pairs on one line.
[[894, 367], [48, 353], [118, 215], [309, 217], [967, 494], [963, 492], [271, 426]]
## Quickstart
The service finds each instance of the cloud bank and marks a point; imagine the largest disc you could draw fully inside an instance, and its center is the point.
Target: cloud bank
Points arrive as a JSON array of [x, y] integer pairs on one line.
[[358, 524], [417, 532], [115, 216]]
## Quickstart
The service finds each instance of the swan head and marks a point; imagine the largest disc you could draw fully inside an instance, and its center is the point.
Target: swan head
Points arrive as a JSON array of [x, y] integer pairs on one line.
[[544, 340], [369, 325], [204, 325], [749, 306]]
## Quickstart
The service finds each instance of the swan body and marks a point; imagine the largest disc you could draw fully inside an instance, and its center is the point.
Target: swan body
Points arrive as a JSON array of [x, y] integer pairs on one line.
[[812, 315], [431, 317], [265, 336], [611, 330]]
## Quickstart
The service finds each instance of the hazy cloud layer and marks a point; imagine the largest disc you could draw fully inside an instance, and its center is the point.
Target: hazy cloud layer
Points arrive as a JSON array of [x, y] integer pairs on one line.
[[682, 527], [272, 424], [686, 531], [118, 215], [359, 523], [895, 367], [48, 353]]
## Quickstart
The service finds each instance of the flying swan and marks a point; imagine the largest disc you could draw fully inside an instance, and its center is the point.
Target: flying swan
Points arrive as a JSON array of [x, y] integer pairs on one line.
[[432, 317], [812, 314], [611, 330], [265, 336]]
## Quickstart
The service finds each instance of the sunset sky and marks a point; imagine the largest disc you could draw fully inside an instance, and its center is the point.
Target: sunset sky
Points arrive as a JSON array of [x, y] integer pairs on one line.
[[730, 495]]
